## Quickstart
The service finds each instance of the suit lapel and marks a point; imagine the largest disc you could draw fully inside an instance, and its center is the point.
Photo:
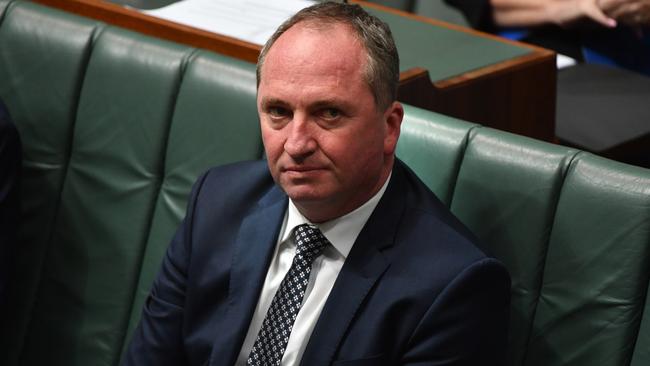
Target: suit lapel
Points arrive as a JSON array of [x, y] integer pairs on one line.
[[351, 287], [251, 257], [368, 260]]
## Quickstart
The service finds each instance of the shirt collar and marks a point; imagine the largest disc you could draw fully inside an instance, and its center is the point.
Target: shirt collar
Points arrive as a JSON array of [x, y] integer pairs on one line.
[[342, 232]]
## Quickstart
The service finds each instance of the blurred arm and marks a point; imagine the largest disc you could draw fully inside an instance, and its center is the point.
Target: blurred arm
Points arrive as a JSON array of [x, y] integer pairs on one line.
[[629, 12], [531, 13]]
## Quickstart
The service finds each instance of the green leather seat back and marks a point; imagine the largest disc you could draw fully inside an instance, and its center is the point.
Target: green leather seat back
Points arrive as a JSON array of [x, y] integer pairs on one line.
[[506, 193], [42, 65], [597, 268], [434, 151], [215, 122], [112, 181], [116, 126], [3, 6], [572, 228]]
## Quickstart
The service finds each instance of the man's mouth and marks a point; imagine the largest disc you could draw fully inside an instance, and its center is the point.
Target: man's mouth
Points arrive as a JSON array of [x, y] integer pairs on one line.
[[301, 168]]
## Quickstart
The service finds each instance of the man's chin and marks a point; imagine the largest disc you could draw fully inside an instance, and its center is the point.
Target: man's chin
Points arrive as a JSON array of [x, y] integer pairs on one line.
[[302, 197], [305, 194]]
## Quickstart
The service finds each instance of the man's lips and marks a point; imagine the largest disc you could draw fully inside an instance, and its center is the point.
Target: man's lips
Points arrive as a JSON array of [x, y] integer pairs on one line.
[[301, 168]]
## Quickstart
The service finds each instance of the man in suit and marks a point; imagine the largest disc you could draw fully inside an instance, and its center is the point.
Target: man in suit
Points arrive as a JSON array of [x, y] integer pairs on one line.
[[330, 252]]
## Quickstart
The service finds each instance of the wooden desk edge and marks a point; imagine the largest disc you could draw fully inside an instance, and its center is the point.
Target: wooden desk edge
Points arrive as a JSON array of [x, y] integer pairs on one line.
[[508, 66]]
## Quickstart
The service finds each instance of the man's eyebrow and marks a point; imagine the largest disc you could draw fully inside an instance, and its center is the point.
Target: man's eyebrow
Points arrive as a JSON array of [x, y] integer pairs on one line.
[[273, 101], [324, 103], [334, 102]]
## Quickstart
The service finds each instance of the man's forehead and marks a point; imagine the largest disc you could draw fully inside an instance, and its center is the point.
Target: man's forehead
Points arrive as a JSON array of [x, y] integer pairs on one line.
[[316, 44]]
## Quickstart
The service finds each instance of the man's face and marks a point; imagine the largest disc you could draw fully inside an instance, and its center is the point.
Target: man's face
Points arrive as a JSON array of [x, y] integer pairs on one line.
[[328, 145]]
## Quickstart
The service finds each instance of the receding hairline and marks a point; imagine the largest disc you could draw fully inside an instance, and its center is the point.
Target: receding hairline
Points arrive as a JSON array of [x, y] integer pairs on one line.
[[325, 24], [317, 24], [381, 69]]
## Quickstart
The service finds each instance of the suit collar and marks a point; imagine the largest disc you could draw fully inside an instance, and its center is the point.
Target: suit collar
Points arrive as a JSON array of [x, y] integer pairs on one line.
[[368, 260]]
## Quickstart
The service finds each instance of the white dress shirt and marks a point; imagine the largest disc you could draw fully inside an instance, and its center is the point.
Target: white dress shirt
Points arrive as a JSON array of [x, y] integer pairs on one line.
[[341, 232]]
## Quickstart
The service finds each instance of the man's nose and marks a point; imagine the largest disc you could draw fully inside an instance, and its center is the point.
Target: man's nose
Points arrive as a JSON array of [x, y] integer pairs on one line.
[[300, 141]]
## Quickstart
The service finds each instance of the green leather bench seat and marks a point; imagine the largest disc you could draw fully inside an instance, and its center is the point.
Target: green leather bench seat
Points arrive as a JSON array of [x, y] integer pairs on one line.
[[116, 126]]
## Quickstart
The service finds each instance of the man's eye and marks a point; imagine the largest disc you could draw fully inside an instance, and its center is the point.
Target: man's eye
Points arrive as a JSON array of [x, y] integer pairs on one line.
[[277, 112], [330, 113]]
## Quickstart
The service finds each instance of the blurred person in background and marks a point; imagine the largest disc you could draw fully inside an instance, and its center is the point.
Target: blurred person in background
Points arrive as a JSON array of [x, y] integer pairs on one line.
[[613, 32]]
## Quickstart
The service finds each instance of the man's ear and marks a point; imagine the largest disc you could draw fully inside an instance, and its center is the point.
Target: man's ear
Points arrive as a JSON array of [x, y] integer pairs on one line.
[[393, 119]]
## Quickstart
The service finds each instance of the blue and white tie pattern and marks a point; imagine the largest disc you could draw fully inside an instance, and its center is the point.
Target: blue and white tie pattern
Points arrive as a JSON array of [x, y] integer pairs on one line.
[[273, 337]]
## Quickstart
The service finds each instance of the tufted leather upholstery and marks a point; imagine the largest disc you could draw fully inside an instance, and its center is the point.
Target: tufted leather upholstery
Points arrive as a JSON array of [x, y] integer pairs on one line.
[[116, 126], [572, 228]]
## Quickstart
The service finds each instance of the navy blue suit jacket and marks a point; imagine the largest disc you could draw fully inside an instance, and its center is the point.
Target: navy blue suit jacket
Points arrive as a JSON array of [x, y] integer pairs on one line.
[[414, 289]]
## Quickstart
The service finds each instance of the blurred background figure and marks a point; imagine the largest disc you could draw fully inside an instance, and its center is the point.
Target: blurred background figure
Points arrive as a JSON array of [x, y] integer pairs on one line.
[[613, 32]]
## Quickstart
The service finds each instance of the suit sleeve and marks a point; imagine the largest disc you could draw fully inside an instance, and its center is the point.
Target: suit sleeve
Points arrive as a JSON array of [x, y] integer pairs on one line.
[[468, 323], [157, 341]]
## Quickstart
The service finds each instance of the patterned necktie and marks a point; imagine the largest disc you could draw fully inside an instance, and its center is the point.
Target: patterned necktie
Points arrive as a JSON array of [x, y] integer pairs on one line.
[[273, 336]]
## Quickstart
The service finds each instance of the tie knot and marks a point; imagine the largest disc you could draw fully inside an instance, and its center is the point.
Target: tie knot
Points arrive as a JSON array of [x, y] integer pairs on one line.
[[310, 241]]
